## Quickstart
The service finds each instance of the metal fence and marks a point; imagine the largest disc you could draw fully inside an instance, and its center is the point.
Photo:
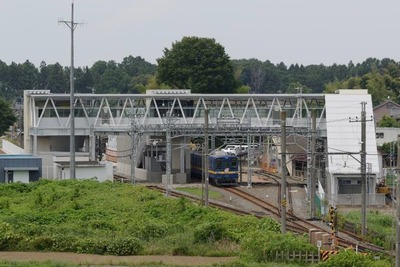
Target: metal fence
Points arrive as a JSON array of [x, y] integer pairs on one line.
[[293, 256]]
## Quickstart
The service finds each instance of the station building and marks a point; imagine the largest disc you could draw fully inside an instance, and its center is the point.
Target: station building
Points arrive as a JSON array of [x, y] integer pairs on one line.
[[152, 133]]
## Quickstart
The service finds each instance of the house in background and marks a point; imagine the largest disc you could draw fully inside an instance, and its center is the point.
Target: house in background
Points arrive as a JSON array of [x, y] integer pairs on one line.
[[386, 135], [388, 108]]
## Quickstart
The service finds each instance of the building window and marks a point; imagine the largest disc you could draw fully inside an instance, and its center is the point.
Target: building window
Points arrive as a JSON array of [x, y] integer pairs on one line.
[[380, 135]]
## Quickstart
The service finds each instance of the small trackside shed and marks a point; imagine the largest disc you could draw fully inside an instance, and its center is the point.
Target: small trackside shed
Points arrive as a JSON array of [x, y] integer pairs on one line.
[[20, 168]]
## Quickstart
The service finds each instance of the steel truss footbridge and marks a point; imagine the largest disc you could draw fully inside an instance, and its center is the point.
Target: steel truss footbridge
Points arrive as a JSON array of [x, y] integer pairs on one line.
[[167, 113], [178, 110]]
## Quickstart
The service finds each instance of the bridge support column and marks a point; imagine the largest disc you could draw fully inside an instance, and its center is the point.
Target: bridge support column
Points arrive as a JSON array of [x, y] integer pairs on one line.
[[92, 146]]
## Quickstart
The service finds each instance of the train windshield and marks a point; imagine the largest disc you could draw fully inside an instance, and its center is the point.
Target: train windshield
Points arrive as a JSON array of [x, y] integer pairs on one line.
[[234, 163], [218, 163]]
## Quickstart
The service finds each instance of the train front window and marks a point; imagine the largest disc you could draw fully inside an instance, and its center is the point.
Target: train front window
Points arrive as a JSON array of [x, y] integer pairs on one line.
[[234, 163], [218, 164]]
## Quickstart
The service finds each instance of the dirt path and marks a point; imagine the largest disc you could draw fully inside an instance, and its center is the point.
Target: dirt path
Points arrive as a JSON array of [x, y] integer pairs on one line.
[[90, 259]]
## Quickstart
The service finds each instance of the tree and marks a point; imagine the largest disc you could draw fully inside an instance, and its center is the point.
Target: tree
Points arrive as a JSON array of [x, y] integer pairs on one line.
[[375, 83], [57, 78], [7, 117], [83, 80], [388, 122], [296, 88], [199, 64], [136, 66]]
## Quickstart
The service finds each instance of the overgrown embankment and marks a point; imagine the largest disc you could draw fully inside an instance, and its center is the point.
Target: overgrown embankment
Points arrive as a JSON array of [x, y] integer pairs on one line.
[[86, 216]]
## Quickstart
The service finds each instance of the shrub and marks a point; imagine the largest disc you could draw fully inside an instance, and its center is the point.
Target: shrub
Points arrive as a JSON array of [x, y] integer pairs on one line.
[[209, 232], [91, 246], [349, 258], [180, 250], [8, 238], [149, 229], [43, 243], [258, 245], [123, 246]]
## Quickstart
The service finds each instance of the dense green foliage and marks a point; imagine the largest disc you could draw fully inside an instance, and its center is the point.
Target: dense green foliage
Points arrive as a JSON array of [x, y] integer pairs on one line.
[[129, 76], [380, 230], [200, 64], [7, 117], [118, 219], [86, 216], [349, 258]]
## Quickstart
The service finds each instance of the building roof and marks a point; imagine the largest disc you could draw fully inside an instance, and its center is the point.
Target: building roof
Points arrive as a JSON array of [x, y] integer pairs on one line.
[[79, 163], [296, 147], [385, 103], [18, 156]]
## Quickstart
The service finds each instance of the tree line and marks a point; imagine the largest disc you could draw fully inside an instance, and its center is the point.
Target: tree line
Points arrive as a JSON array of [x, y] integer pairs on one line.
[[202, 65]]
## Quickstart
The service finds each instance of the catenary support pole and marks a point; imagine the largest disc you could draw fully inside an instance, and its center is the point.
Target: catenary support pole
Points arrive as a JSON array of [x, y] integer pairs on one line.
[[134, 143], [313, 167], [283, 186], [249, 168], [168, 156], [206, 180]]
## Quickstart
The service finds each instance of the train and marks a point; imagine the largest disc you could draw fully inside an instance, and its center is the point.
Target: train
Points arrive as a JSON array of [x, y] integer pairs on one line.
[[223, 170]]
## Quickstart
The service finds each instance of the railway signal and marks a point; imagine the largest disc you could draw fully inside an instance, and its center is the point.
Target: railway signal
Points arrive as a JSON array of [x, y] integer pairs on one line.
[[333, 223]]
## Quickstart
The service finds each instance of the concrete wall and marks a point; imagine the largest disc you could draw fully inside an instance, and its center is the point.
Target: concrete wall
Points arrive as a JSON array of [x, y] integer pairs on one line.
[[386, 135], [102, 172], [10, 148]]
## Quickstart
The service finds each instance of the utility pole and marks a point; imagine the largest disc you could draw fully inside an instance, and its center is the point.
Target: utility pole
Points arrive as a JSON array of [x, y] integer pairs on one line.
[[72, 25], [363, 172], [398, 223], [313, 167], [283, 185], [363, 163], [206, 180], [397, 264]]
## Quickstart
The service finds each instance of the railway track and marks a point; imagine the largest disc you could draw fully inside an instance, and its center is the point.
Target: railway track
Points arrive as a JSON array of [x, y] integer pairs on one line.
[[294, 223], [293, 228], [300, 225], [343, 236]]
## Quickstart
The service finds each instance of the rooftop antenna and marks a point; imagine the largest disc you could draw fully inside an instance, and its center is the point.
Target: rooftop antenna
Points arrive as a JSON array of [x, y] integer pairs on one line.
[[72, 25]]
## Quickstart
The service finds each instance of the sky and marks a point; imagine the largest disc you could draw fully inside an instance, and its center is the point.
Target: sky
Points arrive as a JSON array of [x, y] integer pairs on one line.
[[291, 31]]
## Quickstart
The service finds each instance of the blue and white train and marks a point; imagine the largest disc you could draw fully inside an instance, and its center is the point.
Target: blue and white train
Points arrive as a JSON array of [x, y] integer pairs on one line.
[[222, 169]]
